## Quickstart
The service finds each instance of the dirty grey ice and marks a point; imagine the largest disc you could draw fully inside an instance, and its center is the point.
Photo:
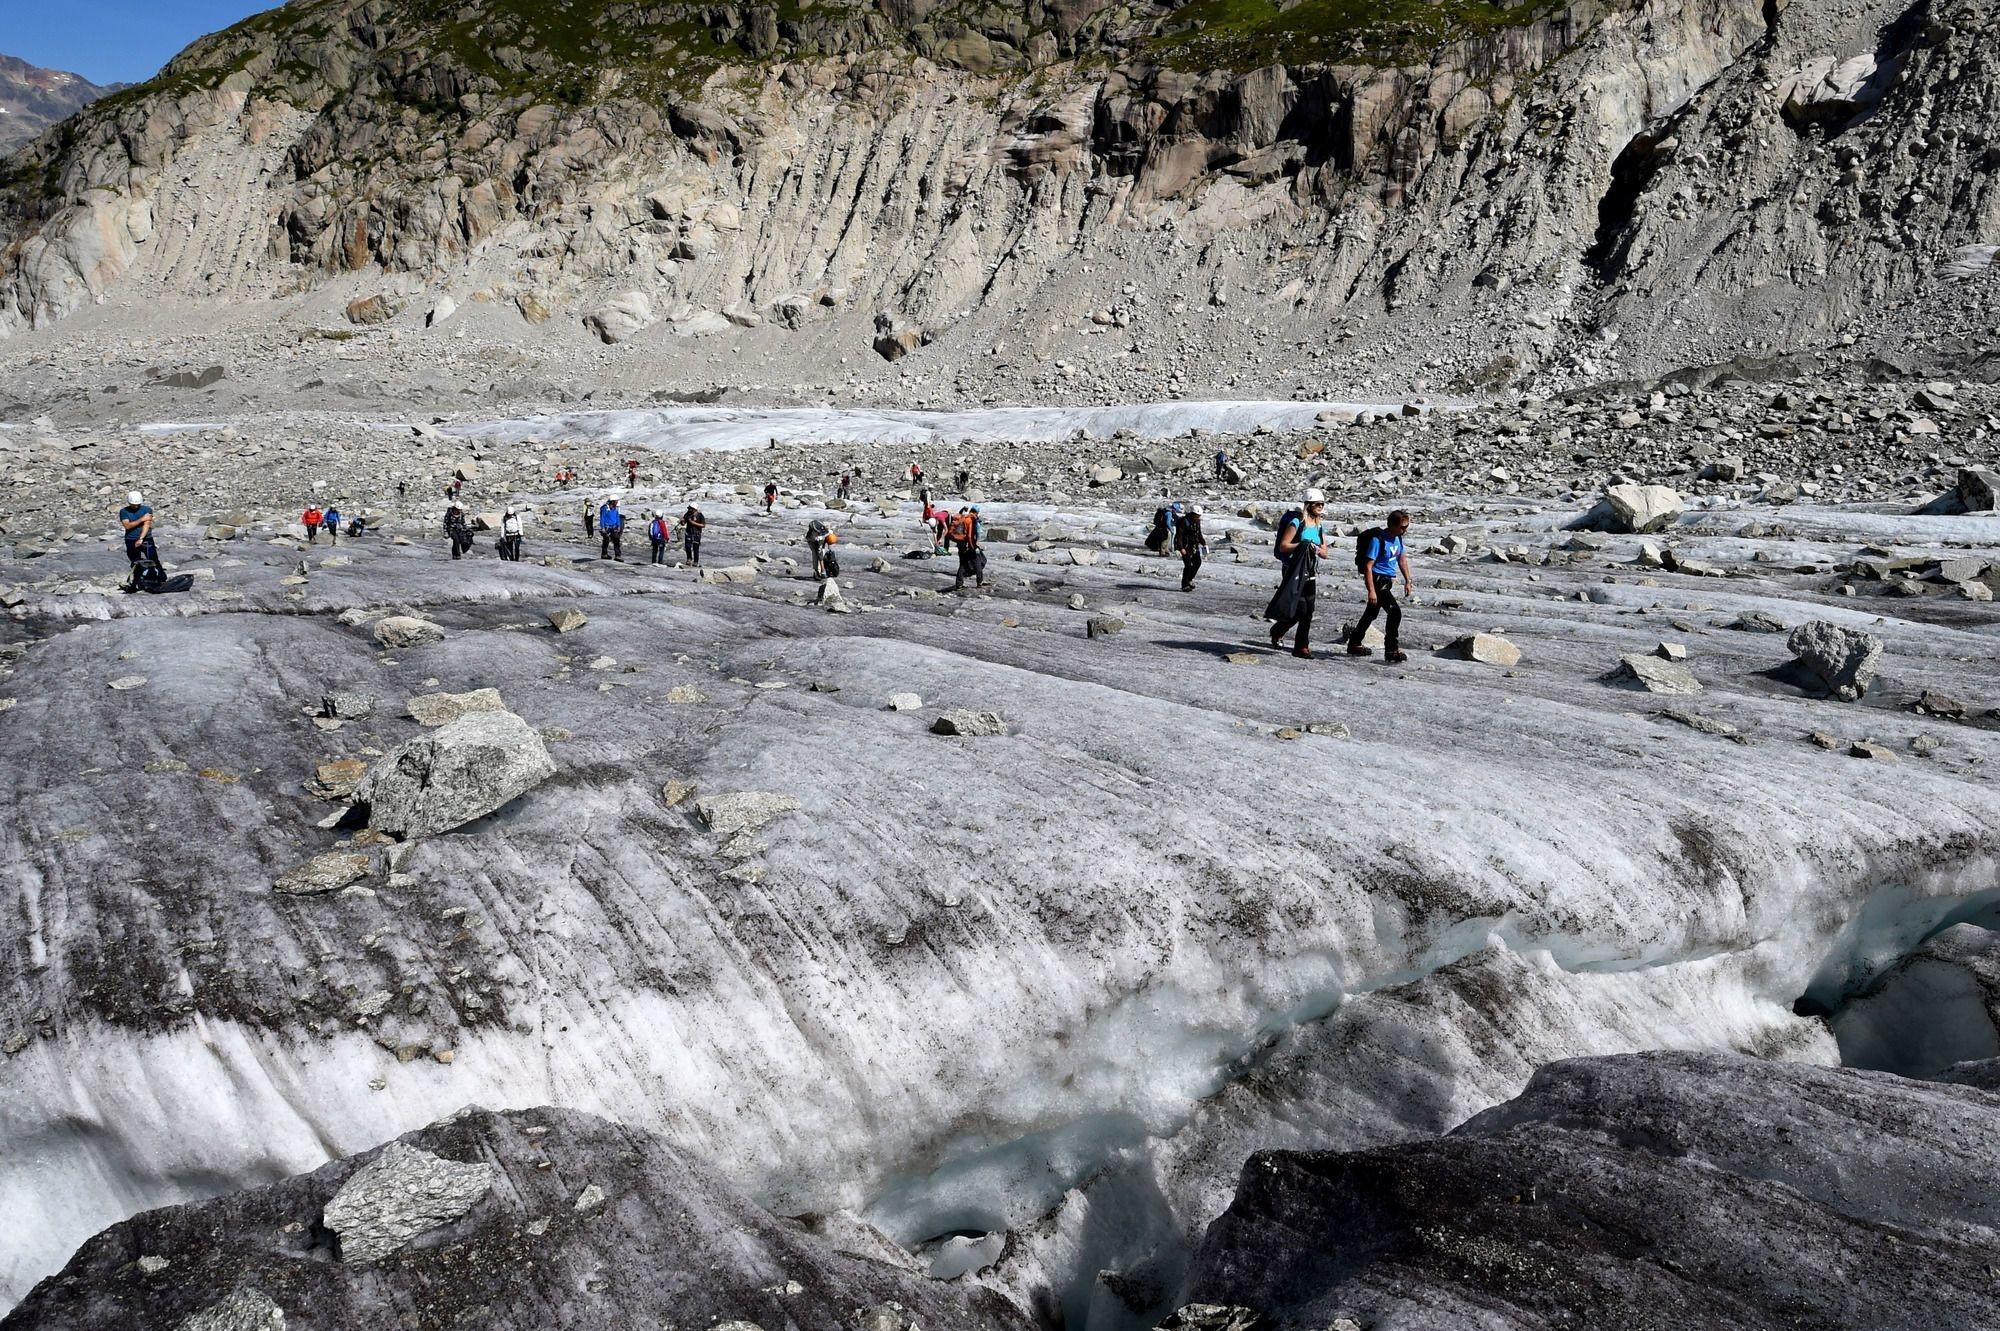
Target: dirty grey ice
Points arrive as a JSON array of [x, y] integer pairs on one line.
[[403, 935]]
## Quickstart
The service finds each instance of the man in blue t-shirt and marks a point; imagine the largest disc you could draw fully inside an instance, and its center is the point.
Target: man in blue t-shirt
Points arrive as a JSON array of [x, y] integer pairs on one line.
[[1379, 561], [610, 532], [137, 520]]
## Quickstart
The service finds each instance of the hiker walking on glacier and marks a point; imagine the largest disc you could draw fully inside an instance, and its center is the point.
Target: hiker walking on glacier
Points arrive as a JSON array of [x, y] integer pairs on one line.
[[965, 534], [460, 532], [1192, 544], [693, 523], [1301, 542], [1378, 558], [611, 531], [818, 537]]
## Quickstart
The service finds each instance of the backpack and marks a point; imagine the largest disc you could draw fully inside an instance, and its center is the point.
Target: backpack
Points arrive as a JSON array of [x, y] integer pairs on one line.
[[1156, 539], [831, 563], [1291, 516], [1363, 543]]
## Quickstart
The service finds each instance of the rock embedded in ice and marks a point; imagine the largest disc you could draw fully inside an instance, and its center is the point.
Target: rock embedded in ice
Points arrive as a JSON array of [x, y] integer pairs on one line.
[[904, 702], [1756, 621], [245, 1310], [969, 724], [1213, 1317], [733, 573], [567, 620], [126, 683], [324, 873], [1843, 659], [1642, 508], [462, 771], [344, 706], [1655, 675], [742, 810], [1868, 748], [407, 631], [1103, 626], [1707, 725], [400, 1194], [336, 780], [1486, 648], [441, 709]]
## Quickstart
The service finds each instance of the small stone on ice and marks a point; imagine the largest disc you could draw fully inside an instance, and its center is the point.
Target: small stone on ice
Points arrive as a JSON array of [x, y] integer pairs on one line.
[[1487, 648], [323, 873], [969, 724]]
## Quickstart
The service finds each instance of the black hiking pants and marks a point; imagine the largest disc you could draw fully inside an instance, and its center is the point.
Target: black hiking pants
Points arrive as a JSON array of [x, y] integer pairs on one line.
[[611, 544], [1388, 607], [691, 542], [1190, 565], [1302, 619], [659, 550]]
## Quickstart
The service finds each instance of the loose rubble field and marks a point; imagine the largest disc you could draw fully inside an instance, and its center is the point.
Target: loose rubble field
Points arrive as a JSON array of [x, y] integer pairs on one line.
[[1050, 985]]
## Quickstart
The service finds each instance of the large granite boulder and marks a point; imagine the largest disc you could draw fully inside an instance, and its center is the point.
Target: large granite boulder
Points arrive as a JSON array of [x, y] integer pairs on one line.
[[461, 771]]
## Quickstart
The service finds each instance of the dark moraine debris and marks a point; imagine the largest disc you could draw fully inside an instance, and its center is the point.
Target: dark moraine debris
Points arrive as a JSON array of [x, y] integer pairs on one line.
[[1662, 1190], [528, 1219]]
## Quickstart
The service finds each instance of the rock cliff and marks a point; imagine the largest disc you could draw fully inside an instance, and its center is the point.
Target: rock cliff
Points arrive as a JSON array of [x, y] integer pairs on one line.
[[1488, 193]]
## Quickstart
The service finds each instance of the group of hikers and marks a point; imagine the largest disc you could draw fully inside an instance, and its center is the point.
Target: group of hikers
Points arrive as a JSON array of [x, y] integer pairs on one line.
[[1302, 540], [1379, 559], [317, 520]]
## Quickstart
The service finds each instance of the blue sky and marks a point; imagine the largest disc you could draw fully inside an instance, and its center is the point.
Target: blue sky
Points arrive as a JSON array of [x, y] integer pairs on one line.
[[112, 41]]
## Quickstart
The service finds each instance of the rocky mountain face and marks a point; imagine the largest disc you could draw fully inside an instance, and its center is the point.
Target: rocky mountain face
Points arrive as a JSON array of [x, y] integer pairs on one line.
[[32, 99], [1492, 194]]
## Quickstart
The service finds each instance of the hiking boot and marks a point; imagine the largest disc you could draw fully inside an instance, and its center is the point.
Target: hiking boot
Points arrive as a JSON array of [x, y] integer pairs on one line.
[[1396, 657], [1359, 649], [1277, 640], [1303, 653]]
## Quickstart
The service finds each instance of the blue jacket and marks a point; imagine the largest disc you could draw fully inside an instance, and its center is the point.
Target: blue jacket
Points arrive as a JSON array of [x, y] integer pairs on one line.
[[609, 518]]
